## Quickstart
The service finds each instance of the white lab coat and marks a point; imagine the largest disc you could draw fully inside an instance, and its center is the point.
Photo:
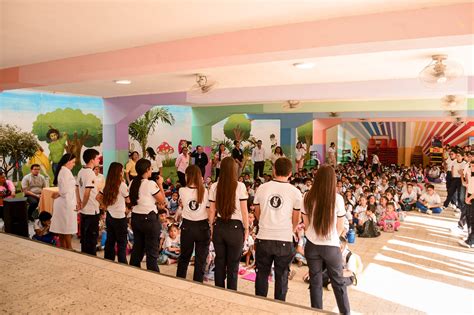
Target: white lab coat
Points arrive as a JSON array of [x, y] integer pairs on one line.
[[64, 220]]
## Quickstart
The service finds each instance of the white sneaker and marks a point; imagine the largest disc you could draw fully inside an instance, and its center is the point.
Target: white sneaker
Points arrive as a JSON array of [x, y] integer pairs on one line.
[[464, 244], [429, 211]]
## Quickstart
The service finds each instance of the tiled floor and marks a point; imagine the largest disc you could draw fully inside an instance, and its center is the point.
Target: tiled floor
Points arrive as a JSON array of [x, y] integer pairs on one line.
[[419, 269]]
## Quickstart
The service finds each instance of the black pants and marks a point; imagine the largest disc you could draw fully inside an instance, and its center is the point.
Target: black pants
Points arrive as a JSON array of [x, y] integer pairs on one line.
[[316, 255], [375, 168], [280, 254], [203, 170], [182, 179], [32, 205], [454, 190], [194, 235], [470, 222], [116, 235], [449, 177], [89, 233], [146, 240], [258, 169], [217, 173], [228, 242]]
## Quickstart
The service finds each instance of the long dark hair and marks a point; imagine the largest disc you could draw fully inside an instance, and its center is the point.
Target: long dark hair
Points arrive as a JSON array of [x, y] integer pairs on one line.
[[281, 150], [320, 201], [5, 185], [112, 183], [151, 153], [226, 187], [194, 179], [64, 159], [219, 150], [141, 168]]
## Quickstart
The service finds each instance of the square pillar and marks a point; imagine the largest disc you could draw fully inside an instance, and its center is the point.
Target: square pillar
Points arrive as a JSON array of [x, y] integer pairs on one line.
[[288, 143]]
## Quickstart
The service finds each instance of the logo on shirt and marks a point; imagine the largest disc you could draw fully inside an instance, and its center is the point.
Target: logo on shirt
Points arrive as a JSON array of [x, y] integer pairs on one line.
[[276, 202], [193, 205]]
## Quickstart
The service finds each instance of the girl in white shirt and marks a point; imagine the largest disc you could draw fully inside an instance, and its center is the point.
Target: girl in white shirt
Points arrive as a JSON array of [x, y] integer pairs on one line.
[[323, 215], [195, 230], [146, 226], [66, 203], [182, 162], [228, 200], [114, 197], [277, 154], [299, 155], [218, 157]]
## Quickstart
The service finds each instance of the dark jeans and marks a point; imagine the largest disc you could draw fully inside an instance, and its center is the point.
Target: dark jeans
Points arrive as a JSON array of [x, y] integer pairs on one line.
[[463, 206], [228, 242], [32, 205], [449, 177], [89, 233], [146, 240], [194, 234], [258, 169], [47, 238], [116, 235], [454, 190], [182, 179], [470, 223], [280, 254], [316, 255]]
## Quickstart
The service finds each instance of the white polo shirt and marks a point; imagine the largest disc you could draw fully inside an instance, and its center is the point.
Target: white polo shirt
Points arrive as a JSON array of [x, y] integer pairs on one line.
[[240, 195], [432, 200], [449, 164], [146, 197], [470, 180], [457, 166], [117, 209], [192, 210], [258, 155], [277, 202], [333, 237], [86, 178]]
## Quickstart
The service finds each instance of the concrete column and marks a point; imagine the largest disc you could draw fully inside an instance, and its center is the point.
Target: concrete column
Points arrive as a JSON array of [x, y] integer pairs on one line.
[[319, 134]]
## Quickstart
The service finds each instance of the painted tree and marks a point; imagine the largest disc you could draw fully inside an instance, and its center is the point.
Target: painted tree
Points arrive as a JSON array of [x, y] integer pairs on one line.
[[237, 127], [16, 146], [79, 129], [146, 124], [305, 134]]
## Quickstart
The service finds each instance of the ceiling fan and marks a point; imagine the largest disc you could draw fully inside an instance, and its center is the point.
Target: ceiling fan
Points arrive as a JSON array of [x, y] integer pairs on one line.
[[452, 101], [333, 114], [440, 71], [291, 105], [203, 85]]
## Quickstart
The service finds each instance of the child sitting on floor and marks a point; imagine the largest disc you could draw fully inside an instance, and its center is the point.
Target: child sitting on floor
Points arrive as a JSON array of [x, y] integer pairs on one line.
[[171, 246], [41, 227], [173, 204], [390, 221]]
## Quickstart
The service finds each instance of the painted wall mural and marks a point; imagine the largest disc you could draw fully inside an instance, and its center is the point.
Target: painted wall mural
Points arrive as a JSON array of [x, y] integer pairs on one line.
[[61, 123]]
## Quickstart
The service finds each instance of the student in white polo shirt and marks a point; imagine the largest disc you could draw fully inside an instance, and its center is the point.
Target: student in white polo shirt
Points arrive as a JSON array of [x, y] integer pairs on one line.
[[144, 194], [89, 210], [195, 229], [455, 189], [114, 197], [228, 201], [468, 180], [277, 208]]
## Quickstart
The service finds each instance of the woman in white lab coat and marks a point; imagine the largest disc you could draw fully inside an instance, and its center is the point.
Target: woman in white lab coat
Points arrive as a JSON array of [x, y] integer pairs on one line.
[[64, 220]]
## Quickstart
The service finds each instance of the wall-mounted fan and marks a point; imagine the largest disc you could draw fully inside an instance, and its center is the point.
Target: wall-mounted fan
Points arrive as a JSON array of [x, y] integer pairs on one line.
[[440, 71], [452, 101], [291, 105], [203, 85]]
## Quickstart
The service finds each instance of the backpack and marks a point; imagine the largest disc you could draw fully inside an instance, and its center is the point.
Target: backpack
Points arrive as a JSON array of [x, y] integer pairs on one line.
[[369, 230]]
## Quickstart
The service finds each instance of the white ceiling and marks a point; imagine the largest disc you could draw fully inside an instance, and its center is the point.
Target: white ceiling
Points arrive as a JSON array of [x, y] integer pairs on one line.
[[34, 31], [348, 68]]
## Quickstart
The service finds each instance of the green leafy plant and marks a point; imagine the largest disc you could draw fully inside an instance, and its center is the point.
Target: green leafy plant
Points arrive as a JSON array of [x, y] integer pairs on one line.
[[16, 146], [141, 128]]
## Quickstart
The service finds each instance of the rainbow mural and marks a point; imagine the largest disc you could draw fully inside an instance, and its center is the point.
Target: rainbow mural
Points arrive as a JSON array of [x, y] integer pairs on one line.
[[363, 131], [452, 133]]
